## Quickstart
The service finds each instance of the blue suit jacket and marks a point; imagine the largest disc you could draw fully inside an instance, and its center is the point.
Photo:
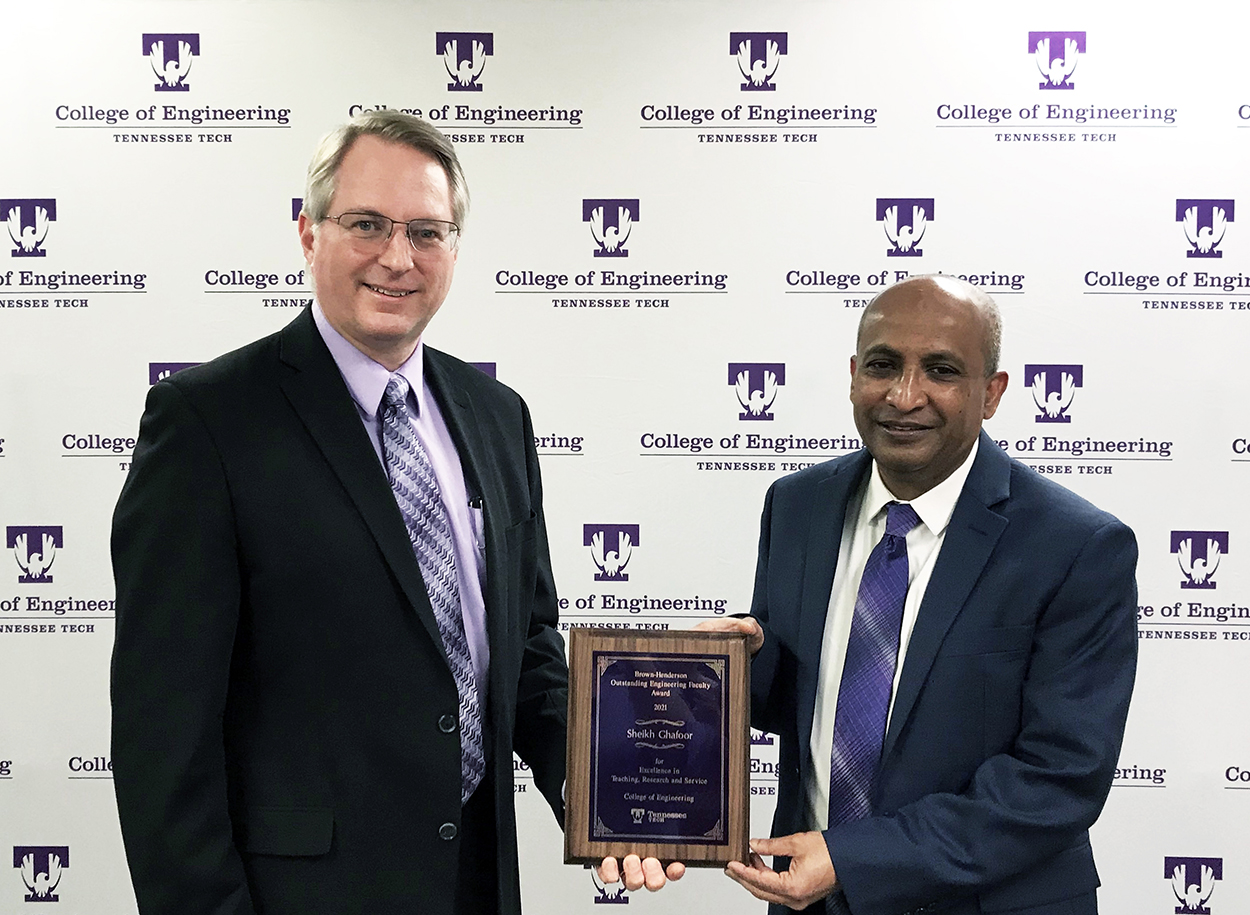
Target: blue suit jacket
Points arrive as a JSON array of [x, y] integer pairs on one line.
[[1011, 705]]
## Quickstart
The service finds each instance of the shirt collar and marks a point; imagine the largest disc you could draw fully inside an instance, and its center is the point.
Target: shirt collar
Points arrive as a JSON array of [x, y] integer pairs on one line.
[[366, 379], [934, 507]]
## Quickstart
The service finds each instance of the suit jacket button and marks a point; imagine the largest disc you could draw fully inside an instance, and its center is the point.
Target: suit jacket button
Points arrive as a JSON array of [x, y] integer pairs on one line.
[[447, 832], [447, 724]]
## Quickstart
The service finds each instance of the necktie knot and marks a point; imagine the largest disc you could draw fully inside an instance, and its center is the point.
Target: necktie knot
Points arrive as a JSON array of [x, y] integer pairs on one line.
[[900, 519], [396, 394]]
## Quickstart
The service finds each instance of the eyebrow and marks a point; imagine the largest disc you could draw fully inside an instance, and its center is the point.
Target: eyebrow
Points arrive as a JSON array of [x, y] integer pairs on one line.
[[882, 349], [943, 356]]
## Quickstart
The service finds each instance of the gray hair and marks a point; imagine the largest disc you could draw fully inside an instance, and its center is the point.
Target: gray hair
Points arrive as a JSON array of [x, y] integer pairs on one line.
[[991, 345], [396, 127]]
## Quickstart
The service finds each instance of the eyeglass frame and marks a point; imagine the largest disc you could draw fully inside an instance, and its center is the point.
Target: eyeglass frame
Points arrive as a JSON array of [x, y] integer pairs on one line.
[[455, 229]]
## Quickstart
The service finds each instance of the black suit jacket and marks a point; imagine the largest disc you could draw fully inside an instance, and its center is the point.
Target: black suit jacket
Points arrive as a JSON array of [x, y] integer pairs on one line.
[[278, 677], [1010, 710]]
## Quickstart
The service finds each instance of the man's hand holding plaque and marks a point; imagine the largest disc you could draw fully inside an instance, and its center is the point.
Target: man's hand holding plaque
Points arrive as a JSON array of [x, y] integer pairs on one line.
[[743, 625], [638, 872]]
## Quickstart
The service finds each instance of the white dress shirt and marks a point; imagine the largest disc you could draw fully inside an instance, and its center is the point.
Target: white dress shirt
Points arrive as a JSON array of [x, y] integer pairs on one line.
[[864, 528]]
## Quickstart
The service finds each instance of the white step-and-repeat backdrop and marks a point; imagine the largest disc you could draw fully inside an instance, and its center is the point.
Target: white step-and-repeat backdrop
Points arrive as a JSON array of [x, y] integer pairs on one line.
[[769, 167]]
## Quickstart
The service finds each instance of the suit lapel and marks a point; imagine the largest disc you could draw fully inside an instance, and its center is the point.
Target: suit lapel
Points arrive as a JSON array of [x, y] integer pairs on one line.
[[458, 412], [971, 536], [482, 479], [461, 416], [319, 396]]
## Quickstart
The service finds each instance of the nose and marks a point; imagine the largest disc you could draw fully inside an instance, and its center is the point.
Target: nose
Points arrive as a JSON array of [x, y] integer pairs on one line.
[[398, 253], [907, 390]]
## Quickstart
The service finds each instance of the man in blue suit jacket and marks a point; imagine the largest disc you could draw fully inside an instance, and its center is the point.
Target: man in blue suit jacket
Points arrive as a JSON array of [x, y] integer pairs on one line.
[[1016, 661]]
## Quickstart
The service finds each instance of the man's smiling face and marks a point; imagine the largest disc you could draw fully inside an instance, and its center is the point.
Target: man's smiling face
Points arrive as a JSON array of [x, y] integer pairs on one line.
[[918, 384], [381, 297]]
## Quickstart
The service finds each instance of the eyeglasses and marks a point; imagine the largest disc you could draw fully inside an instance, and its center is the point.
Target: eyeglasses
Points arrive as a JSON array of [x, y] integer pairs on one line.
[[423, 234]]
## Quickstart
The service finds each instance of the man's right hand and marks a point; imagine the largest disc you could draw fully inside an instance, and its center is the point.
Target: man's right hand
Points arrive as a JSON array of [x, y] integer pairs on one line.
[[638, 873], [746, 625]]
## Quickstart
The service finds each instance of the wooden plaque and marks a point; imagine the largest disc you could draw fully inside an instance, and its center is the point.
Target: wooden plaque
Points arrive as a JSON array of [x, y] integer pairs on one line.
[[659, 745]]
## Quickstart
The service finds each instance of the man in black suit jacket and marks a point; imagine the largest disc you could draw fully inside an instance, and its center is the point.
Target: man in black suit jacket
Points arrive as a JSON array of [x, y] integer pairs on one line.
[[1017, 656], [286, 726]]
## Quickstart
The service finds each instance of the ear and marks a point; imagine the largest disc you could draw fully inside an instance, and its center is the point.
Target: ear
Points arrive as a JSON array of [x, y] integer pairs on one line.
[[306, 236], [994, 387]]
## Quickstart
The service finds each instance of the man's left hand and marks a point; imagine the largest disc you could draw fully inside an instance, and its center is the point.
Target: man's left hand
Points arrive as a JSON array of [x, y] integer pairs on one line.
[[810, 876]]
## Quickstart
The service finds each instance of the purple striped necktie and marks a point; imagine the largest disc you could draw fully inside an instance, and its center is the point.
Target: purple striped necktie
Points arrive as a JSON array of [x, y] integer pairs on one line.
[[416, 490], [868, 674]]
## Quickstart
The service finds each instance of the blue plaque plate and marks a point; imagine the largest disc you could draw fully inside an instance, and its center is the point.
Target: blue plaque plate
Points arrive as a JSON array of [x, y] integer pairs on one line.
[[658, 756], [659, 731]]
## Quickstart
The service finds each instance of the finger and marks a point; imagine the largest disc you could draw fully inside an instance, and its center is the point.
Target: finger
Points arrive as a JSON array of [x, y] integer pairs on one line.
[[782, 845], [748, 626], [720, 625], [633, 872], [653, 874], [609, 872], [675, 871], [792, 846], [755, 862], [744, 625], [755, 636], [761, 882]]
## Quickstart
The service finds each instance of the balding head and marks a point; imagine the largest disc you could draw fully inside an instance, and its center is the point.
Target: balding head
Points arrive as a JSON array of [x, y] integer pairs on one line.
[[952, 289]]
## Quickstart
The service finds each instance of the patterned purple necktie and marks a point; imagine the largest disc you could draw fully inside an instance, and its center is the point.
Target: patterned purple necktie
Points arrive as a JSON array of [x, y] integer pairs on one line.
[[868, 675], [416, 491]]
